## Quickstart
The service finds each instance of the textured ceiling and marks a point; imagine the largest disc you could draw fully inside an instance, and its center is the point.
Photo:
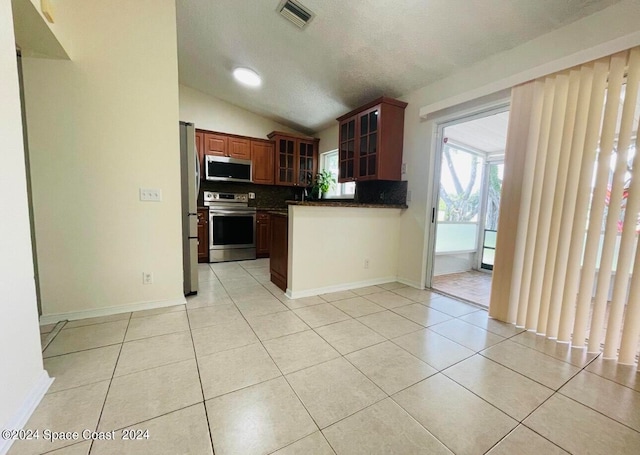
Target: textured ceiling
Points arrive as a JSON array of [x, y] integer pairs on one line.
[[352, 51]]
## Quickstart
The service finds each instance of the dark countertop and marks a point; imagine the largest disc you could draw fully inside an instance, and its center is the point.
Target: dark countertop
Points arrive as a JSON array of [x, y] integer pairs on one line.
[[330, 203]]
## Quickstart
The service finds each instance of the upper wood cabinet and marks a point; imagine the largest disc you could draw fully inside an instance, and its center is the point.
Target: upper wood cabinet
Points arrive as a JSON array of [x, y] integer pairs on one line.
[[239, 148], [347, 150], [262, 158], [296, 159], [370, 141], [227, 145], [216, 144]]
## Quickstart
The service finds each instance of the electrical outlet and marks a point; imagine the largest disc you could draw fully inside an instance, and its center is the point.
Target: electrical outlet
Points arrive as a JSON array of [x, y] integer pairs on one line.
[[366, 263], [252, 195], [147, 278], [404, 168], [150, 194]]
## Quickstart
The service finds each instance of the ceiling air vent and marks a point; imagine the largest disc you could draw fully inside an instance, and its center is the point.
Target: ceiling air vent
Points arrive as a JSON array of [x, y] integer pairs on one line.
[[295, 12]]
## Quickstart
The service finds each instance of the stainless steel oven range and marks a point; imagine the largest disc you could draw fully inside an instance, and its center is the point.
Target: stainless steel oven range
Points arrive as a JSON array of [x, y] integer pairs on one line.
[[232, 234]]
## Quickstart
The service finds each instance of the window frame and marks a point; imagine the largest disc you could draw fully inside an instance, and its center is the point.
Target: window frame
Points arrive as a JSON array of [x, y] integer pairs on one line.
[[341, 189]]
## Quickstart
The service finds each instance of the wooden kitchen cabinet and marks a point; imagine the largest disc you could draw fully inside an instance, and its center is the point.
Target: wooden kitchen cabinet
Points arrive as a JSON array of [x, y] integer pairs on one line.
[[279, 250], [220, 144], [296, 159], [262, 158], [370, 141], [203, 235], [263, 234], [347, 150], [216, 144], [239, 148]]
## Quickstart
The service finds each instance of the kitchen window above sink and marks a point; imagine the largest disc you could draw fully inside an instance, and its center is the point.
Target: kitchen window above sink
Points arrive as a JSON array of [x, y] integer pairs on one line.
[[329, 161]]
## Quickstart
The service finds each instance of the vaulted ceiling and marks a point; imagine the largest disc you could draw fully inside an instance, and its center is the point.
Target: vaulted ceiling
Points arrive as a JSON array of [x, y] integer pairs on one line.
[[352, 51]]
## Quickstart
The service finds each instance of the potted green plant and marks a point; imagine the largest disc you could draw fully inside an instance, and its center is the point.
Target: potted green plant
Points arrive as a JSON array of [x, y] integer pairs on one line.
[[324, 182]]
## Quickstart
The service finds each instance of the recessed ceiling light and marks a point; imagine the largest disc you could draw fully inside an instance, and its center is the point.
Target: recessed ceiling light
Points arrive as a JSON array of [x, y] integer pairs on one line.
[[247, 77]]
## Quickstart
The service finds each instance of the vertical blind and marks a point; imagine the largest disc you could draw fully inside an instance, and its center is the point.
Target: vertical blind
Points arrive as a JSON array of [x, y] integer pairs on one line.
[[567, 264]]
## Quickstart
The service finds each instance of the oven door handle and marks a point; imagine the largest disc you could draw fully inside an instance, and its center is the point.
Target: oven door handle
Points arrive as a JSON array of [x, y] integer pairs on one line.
[[232, 212]]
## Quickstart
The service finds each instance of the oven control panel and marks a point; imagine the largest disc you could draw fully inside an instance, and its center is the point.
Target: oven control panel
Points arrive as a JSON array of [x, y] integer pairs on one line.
[[238, 198]]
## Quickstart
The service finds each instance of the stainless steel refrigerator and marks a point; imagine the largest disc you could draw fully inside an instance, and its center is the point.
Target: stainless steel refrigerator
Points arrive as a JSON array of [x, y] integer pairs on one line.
[[190, 180]]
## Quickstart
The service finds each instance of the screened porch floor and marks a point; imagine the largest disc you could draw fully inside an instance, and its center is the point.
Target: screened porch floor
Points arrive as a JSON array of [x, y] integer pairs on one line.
[[472, 285]]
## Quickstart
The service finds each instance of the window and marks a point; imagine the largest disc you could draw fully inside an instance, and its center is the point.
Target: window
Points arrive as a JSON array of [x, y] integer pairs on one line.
[[329, 161]]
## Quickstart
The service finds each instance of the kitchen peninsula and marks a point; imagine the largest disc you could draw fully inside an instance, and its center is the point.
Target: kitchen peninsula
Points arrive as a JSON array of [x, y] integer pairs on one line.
[[329, 246]]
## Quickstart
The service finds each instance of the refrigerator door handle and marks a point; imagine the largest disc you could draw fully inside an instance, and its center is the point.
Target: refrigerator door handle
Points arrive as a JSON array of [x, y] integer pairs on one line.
[[197, 172]]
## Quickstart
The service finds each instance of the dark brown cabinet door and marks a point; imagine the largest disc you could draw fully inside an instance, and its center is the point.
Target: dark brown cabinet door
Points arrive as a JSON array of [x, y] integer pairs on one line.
[[306, 165], [215, 144], [263, 235], [368, 144], [279, 250], [285, 161], [239, 148], [262, 157], [346, 154], [203, 235]]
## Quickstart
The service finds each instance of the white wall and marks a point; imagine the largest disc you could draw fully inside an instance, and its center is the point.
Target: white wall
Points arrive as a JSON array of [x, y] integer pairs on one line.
[[210, 113], [21, 364], [100, 127], [328, 246], [445, 264], [328, 139]]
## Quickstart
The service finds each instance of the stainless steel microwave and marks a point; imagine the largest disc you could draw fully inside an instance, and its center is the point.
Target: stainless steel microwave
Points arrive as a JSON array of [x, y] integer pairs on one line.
[[223, 169]]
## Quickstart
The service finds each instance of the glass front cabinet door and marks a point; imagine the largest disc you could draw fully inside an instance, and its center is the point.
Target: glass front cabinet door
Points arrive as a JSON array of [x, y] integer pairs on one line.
[[370, 141], [346, 154], [296, 159], [368, 147]]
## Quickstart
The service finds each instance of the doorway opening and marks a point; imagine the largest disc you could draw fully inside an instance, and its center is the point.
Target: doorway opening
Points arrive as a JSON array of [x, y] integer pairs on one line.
[[469, 170]]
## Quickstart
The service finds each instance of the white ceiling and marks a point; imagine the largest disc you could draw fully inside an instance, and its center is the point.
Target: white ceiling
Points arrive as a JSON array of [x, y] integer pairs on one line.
[[487, 134], [352, 51]]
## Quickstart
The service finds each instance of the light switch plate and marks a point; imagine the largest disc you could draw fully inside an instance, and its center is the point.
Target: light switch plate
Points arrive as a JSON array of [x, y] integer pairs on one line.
[[150, 194]]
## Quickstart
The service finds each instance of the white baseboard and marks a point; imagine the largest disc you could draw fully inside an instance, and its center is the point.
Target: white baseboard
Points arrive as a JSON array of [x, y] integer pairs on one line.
[[97, 312], [338, 287], [413, 284], [30, 403]]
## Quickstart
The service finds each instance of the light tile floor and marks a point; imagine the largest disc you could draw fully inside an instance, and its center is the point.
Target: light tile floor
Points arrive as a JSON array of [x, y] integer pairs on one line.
[[385, 369]]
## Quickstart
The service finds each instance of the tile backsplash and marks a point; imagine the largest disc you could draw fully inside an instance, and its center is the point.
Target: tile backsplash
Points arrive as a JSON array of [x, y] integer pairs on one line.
[[382, 192]]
